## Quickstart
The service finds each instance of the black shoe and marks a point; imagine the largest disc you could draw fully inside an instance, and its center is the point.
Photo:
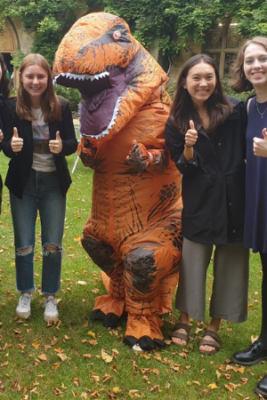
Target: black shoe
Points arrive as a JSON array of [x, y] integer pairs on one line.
[[261, 387], [255, 353]]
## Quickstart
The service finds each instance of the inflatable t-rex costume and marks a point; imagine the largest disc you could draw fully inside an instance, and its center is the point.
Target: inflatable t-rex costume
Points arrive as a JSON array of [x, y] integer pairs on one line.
[[134, 231]]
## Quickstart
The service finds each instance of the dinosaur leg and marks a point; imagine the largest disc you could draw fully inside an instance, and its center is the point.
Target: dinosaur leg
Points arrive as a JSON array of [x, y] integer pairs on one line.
[[167, 288], [148, 270], [108, 308]]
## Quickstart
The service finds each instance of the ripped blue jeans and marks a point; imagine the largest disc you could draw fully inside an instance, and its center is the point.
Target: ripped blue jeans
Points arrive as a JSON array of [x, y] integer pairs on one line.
[[42, 193]]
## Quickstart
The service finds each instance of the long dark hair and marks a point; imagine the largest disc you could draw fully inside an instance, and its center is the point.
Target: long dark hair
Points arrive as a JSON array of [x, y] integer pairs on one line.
[[240, 83], [183, 109], [51, 108], [4, 82]]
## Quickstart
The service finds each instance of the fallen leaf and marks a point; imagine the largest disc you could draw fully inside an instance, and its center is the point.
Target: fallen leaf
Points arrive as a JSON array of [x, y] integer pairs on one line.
[[58, 392], [62, 356], [155, 388], [229, 387], [87, 355], [218, 374], [106, 357], [95, 378], [133, 393], [55, 366], [42, 357], [106, 377], [93, 342], [253, 339], [114, 353], [76, 381], [58, 350], [212, 386], [4, 364]]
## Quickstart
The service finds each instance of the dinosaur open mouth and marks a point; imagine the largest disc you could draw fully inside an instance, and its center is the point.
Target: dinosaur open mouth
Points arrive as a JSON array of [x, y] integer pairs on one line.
[[101, 97], [85, 83]]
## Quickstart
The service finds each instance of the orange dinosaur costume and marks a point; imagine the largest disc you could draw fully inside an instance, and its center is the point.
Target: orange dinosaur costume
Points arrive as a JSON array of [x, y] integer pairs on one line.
[[134, 231]]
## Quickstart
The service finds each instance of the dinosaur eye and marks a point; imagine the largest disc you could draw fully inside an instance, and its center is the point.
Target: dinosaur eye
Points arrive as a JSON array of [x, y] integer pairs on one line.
[[116, 35]]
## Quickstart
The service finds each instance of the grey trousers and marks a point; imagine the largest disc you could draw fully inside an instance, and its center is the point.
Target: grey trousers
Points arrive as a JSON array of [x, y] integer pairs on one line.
[[229, 298]]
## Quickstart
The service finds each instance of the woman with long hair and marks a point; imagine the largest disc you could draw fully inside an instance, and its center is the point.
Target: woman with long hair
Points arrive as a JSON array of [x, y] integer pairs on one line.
[[205, 137], [250, 72], [38, 134], [4, 93]]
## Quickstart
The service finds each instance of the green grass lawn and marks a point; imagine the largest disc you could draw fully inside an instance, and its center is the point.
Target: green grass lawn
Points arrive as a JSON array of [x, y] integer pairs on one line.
[[79, 359]]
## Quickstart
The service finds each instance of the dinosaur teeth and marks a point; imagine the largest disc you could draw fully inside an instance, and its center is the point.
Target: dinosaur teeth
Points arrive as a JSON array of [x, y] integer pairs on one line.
[[81, 77]]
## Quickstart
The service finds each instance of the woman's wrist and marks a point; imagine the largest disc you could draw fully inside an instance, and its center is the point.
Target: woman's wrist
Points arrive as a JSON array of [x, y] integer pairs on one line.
[[188, 147]]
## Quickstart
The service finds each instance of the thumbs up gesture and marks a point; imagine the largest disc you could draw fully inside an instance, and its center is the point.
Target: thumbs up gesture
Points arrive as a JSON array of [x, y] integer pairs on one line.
[[264, 133], [191, 135], [16, 141], [260, 145], [55, 146]]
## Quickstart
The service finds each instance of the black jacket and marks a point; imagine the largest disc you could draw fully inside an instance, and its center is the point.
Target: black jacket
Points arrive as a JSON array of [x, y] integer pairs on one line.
[[213, 186], [1, 127], [21, 163]]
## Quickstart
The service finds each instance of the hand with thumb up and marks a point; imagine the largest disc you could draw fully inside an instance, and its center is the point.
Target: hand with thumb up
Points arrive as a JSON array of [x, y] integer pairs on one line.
[[55, 146], [191, 135], [16, 141], [260, 145]]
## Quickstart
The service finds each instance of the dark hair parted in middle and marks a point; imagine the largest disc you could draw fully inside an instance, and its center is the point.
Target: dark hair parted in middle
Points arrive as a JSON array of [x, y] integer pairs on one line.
[[4, 82], [183, 109]]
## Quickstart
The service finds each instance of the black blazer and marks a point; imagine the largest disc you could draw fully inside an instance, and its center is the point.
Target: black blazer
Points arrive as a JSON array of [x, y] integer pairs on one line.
[[21, 163], [1, 182]]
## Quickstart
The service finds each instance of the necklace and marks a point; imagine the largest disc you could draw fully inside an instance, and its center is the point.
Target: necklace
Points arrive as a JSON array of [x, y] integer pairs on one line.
[[203, 116], [261, 114]]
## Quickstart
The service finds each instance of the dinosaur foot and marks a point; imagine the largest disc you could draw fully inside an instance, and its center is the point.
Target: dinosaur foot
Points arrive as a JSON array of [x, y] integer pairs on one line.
[[145, 343], [110, 320], [143, 332]]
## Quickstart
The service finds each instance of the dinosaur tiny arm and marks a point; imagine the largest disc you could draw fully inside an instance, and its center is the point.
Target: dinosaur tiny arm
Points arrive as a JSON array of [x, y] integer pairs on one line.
[[141, 159], [87, 153]]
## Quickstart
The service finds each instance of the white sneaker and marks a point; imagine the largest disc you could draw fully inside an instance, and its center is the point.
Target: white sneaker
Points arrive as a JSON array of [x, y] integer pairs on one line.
[[50, 306], [23, 309]]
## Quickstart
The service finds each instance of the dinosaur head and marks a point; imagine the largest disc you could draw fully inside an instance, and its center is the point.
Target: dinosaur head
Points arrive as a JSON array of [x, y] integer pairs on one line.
[[95, 45], [100, 58]]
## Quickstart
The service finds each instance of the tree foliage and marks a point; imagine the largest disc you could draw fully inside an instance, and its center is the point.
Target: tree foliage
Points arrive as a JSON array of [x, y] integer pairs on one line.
[[49, 20], [173, 22]]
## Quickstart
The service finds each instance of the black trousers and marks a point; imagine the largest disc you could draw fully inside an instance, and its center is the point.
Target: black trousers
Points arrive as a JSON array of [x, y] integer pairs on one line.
[[263, 335]]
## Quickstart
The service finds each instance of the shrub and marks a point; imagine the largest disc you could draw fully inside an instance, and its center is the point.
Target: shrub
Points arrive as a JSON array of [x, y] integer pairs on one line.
[[72, 95]]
